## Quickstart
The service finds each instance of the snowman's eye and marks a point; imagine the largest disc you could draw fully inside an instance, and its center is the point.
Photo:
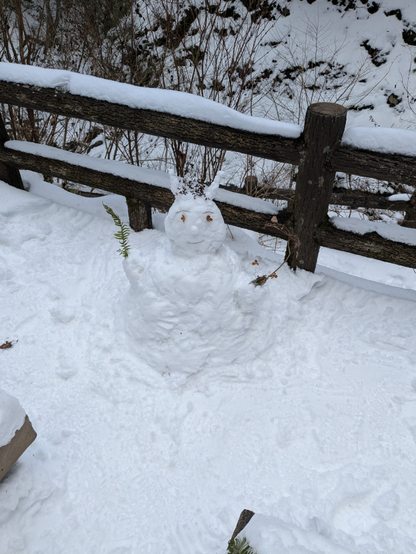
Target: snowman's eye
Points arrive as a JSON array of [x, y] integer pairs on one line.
[[183, 218], [209, 218]]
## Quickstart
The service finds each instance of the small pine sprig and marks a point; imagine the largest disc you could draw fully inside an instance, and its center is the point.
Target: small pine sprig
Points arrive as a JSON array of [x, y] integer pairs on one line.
[[239, 546], [122, 235]]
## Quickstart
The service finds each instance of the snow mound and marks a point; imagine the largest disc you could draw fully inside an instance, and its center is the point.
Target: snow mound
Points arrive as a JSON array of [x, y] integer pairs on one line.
[[186, 313], [270, 535]]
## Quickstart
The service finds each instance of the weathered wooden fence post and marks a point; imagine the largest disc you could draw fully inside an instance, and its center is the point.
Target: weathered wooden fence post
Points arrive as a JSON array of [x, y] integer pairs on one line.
[[140, 214], [9, 174], [11, 452], [410, 216], [250, 185], [324, 126], [244, 518]]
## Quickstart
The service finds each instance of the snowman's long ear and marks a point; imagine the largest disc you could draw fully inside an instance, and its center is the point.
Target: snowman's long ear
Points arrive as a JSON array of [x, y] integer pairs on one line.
[[210, 191], [174, 182]]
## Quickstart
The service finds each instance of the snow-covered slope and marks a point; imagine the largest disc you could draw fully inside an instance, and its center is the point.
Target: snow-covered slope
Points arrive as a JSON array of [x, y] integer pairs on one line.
[[358, 53]]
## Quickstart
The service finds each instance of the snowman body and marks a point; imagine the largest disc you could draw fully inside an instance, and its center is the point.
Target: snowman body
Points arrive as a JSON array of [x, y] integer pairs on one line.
[[190, 305]]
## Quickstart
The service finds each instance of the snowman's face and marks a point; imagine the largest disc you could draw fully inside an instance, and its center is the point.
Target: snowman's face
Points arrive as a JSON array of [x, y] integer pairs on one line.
[[195, 225]]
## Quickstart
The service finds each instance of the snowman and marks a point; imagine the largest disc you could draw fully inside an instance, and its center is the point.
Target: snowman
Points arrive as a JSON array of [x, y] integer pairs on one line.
[[190, 304]]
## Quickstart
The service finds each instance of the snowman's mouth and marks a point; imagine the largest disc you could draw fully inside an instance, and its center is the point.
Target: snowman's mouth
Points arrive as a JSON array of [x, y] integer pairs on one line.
[[199, 242]]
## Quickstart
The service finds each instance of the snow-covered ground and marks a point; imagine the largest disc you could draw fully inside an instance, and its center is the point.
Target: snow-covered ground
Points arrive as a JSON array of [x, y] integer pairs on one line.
[[319, 430], [316, 431]]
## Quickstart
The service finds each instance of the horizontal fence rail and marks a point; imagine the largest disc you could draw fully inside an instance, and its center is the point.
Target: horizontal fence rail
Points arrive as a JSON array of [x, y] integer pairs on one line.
[[317, 152], [276, 224], [365, 163], [151, 122], [158, 196], [350, 198]]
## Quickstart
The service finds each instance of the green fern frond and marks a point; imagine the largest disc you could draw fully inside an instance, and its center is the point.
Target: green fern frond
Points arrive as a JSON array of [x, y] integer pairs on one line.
[[239, 546], [122, 235]]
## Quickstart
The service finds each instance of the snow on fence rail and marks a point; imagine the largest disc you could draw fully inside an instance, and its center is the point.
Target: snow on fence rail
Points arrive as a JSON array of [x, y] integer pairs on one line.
[[318, 149]]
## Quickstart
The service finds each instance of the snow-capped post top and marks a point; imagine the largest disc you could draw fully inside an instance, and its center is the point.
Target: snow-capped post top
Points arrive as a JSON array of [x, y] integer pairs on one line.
[[12, 417], [194, 223]]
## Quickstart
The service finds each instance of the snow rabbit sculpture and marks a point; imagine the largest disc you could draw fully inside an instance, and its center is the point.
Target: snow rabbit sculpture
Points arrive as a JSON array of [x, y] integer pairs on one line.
[[190, 304]]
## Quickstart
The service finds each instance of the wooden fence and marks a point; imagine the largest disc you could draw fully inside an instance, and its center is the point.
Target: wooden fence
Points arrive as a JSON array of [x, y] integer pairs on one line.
[[317, 152]]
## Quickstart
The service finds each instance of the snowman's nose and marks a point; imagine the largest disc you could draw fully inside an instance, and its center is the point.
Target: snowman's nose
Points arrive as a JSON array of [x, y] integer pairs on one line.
[[194, 229]]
